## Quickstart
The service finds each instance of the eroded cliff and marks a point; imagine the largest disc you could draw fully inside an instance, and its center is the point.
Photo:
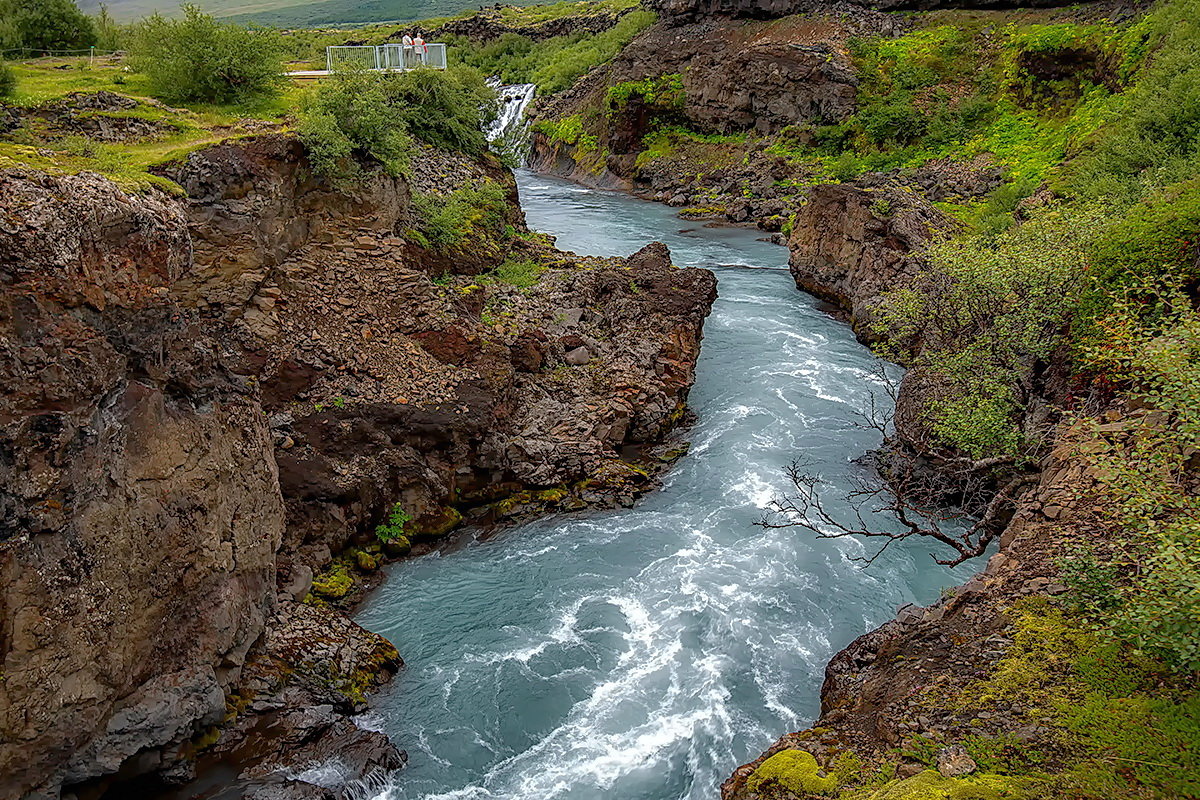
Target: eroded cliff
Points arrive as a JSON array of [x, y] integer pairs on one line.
[[208, 398]]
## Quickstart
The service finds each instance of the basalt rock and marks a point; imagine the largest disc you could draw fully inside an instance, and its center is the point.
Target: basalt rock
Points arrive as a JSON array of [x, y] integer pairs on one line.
[[681, 12], [850, 244], [140, 510], [207, 399]]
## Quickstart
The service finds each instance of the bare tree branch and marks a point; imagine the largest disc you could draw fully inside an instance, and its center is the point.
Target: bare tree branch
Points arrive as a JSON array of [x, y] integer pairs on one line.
[[902, 489]]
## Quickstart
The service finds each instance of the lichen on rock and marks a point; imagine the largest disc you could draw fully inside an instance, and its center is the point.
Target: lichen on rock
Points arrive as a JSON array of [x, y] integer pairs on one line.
[[794, 771]]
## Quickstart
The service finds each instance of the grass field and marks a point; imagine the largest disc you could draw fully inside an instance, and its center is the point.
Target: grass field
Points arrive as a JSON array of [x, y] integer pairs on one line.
[[295, 13]]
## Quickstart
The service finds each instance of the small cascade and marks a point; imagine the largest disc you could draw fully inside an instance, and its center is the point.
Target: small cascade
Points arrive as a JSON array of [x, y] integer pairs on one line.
[[508, 133], [514, 99]]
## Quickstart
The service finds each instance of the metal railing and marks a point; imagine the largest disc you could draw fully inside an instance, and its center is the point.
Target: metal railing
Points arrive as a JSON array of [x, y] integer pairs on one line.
[[387, 57]]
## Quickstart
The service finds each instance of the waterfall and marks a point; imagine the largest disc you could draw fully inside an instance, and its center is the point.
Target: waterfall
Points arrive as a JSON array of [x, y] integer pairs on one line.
[[507, 133], [513, 101]]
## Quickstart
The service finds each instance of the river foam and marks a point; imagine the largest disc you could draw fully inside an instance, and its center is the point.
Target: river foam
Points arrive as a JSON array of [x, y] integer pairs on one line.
[[641, 654]]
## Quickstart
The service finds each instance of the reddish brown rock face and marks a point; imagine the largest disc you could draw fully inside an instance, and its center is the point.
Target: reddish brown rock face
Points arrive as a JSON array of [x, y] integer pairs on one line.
[[204, 400], [849, 245], [141, 511]]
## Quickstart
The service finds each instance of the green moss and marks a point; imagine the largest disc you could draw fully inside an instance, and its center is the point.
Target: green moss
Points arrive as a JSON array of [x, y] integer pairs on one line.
[[585, 148], [555, 495], [365, 561], [795, 771], [674, 454], [335, 582], [665, 93], [369, 673], [398, 547], [701, 211], [433, 526], [930, 785], [1127, 732]]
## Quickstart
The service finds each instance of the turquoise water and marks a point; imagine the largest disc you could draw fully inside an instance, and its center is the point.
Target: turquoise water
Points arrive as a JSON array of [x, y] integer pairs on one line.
[[642, 654]]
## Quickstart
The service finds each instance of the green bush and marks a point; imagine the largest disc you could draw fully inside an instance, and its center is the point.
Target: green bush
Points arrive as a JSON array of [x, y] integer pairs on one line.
[[8, 81], [40, 25], [446, 108], [664, 93], [893, 122], [521, 273], [392, 528], [446, 221], [198, 59], [988, 310], [363, 113], [109, 34], [349, 117], [1155, 136], [1148, 478], [1158, 236]]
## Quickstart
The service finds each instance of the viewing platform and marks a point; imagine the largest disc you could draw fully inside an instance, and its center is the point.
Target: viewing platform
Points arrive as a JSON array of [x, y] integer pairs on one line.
[[389, 57]]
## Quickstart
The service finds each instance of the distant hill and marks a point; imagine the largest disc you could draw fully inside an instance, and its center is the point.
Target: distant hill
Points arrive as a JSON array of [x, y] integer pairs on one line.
[[295, 13]]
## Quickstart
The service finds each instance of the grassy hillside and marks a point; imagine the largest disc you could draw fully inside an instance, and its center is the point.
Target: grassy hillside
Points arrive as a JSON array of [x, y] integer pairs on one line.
[[294, 13]]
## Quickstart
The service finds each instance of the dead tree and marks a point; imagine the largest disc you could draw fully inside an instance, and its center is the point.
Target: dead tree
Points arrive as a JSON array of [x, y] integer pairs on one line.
[[908, 487]]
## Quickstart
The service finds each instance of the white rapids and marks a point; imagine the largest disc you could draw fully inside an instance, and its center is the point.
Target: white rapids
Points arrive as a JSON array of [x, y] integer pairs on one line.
[[642, 654]]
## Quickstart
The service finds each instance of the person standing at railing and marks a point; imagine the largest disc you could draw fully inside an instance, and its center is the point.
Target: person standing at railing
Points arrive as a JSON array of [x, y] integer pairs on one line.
[[421, 49], [407, 58]]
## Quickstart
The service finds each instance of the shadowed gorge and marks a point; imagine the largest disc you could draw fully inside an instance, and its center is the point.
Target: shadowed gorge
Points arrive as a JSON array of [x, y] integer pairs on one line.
[[751, 399]]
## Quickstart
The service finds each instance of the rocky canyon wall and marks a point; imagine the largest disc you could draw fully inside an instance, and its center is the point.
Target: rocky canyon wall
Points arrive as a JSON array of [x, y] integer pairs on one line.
[[206, 399]]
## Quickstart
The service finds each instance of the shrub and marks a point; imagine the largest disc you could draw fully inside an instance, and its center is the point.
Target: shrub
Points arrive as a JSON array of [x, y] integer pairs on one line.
[[664, 93], [109, 35], [895, 122], [1155, 138], [392, 528], [8, 81], [520, 273], [40, 25], [349, 117], [446, 221], [988, 310], [1148, 477], [200, 59], [363, 113], [1156, 237], [449, 108]]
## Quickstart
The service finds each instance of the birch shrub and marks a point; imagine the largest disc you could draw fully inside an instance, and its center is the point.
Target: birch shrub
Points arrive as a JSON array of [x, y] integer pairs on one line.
[[983, 316]]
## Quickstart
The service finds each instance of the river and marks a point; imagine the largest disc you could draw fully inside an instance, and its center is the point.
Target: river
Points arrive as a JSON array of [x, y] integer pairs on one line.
[[642, 654]]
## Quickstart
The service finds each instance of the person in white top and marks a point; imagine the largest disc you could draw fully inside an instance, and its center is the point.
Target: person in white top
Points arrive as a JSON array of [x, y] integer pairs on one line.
[[420, 49], [407, 57]]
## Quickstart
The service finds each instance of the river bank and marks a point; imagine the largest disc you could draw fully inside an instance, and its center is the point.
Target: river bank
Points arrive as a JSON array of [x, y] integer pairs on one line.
[[280, 384], [643, 652]]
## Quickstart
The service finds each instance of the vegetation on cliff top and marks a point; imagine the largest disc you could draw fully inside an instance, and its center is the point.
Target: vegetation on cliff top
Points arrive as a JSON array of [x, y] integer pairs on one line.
[[553, 64], [1098, 278], [198, 59]]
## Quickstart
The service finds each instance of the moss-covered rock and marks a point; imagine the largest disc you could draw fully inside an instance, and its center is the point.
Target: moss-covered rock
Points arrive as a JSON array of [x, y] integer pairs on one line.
[[398, 547], [365, 561], [434, 525], [794, 771], [930, 785], [333, 583]]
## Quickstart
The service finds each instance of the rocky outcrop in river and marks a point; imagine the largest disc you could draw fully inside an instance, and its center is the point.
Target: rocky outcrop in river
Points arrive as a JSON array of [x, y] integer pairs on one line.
[[208, 398]]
